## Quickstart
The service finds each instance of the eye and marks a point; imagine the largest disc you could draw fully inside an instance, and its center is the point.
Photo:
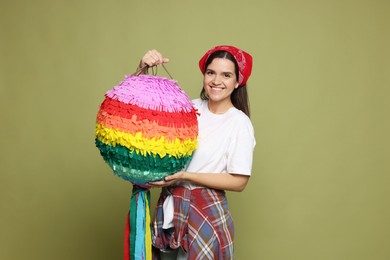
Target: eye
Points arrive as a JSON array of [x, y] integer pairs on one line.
[[227, 75], [209, 72]]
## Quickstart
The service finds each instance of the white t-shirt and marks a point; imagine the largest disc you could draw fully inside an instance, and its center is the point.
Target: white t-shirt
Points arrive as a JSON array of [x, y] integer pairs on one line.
[[225, 145], [225, 142]]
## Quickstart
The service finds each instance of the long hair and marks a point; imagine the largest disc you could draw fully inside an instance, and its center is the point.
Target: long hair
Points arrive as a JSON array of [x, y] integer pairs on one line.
[[239, 96]]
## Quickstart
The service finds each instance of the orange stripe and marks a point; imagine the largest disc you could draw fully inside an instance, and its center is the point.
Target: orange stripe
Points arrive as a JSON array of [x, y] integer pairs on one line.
[[147, 128]]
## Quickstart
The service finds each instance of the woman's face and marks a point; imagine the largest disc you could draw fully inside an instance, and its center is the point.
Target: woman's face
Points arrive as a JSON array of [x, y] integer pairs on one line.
[[220, 80]]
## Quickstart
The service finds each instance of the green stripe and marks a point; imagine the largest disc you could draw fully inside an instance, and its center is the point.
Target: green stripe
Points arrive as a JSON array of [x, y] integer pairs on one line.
[[134, 167]]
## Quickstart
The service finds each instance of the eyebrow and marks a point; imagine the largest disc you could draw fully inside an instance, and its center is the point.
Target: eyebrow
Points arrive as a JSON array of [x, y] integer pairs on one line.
[[227, 72]]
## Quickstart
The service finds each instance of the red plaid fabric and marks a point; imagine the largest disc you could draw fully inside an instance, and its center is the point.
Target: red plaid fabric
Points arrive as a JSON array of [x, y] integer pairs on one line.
[[203, 225]]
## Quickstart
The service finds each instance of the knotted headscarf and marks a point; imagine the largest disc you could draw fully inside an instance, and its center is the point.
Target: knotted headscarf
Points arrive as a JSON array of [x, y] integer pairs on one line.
[[244, 61]]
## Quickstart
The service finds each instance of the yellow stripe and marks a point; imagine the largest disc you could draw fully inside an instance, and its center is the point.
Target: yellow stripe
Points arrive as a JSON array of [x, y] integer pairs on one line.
[[154, 146], [148, 236]]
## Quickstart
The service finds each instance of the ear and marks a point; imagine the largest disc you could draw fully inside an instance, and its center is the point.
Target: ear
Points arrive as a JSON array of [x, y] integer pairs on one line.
[[236, 86]]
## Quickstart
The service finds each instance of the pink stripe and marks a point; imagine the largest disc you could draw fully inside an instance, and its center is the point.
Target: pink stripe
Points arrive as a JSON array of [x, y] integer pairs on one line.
[[151, 92]]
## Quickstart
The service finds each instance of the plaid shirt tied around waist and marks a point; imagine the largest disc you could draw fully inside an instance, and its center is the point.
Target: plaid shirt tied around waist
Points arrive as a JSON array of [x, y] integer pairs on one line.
[[203, 225]]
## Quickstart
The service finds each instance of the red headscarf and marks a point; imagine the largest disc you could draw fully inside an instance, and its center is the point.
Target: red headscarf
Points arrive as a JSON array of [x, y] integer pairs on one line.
[[244, 61]]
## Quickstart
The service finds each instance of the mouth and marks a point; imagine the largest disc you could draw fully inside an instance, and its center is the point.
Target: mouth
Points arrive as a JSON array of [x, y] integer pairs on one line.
[[217, 88]]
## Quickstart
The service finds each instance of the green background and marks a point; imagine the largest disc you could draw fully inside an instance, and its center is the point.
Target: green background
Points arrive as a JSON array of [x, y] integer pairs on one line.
[[319, 97]]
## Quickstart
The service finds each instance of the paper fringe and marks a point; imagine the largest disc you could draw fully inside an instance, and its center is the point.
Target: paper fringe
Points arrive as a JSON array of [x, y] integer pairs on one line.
[[151, 92], [136, 168], [134, 112], [140, 239], [148, 128], [145, 146]]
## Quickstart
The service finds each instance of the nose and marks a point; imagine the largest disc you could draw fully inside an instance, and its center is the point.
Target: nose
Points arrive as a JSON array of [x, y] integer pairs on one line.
[[216, 81]]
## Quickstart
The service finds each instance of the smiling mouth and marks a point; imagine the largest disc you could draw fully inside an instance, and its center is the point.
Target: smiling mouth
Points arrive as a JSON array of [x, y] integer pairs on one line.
[[217, 88]]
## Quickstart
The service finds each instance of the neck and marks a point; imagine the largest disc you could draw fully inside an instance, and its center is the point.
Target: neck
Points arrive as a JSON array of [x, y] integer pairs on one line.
[[219, 108]]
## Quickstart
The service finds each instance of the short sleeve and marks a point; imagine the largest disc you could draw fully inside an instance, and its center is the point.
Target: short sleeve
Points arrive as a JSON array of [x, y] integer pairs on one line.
[[240, 153]]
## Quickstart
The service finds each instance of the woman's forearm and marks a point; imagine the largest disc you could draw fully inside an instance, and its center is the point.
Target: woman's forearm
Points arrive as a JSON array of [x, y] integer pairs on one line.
[[220, 181]]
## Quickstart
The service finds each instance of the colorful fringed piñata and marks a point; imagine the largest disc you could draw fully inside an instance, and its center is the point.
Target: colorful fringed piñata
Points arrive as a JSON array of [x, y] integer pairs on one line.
[[146, 129]]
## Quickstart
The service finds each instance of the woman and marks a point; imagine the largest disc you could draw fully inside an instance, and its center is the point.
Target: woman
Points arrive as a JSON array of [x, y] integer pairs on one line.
[[192, 220]]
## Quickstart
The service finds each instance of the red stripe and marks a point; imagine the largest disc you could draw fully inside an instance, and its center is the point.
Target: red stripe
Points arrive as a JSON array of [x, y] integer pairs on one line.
[[126, 254], [128, 111]]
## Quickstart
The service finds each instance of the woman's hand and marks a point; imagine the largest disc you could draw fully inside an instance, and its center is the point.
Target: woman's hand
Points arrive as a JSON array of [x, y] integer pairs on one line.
[[169, 180], [152, 58], [220, 181]]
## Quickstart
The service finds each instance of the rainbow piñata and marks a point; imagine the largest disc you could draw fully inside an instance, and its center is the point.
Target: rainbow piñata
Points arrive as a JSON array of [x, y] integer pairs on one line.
[[146, 128]]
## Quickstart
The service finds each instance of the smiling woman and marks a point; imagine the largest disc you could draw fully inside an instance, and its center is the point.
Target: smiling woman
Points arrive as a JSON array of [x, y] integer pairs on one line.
[[242, 67], [192, 219], [219, 83]]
